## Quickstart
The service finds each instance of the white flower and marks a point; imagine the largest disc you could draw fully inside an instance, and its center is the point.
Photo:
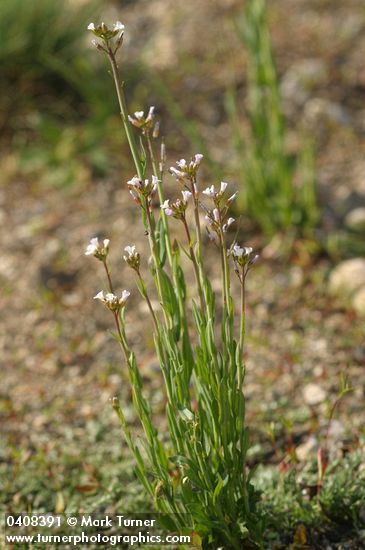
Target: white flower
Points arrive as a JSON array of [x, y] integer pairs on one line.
[[198, 158], [106, 33], [166, 208], [177, 173], [187, 170], [216, 214], [182, 164], [130, 250], [124, 297], [232, 198], [186, 195], [118, 26], [224, 186], [135, 182], [132, 257], [151, 114], [210, 191], [94, 248], [239, 251], [111, 300], [143, 123]]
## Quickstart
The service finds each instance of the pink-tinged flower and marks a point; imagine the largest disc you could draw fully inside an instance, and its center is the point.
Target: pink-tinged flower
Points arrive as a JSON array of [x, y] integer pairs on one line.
[[99, 250], [145, 188], [197, 160], [176, 209], [182, 164], [135, 182], [166, 208]]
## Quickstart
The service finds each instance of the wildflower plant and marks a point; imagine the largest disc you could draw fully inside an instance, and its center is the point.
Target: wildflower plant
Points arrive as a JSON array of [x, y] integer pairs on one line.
[[200, 468]]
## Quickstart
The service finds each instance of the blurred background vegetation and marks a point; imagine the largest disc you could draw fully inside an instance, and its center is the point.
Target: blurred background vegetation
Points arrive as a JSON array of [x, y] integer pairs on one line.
[[59, 116]]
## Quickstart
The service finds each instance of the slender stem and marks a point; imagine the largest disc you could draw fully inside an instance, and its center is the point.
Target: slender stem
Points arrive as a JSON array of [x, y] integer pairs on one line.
[[111, 288], [115, 313], [242, 329], [149, 304], [124, 114], [153, 246], [225, 267], [197, 221], [157, 172], [195, 264], [155, 168]]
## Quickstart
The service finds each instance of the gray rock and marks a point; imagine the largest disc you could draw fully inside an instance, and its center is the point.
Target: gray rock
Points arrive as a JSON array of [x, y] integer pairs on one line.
[[348, 277], [355, 220], [358, 301]]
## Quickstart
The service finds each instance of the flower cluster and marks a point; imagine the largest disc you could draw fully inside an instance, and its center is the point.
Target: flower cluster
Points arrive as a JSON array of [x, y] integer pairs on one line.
[[132, 257], [142, 188], [145, 123], [218, 218], [112, 301], [178, 208], [185, 170], [99, 250], [106, 34], [219, 196], [243, 256]]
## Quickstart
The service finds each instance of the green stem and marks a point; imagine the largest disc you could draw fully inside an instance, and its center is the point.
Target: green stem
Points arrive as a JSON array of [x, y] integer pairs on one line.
[[158, 175], [242, 330], [124, 114], [149, 304], [195, 264]]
